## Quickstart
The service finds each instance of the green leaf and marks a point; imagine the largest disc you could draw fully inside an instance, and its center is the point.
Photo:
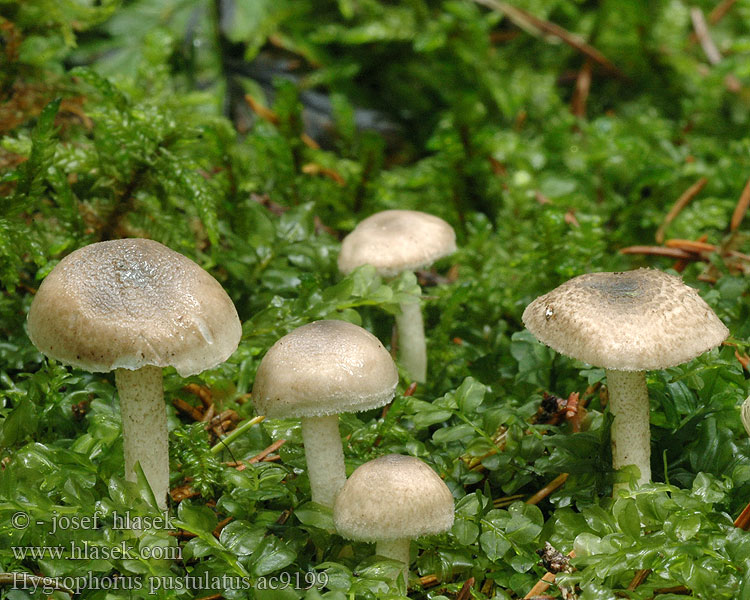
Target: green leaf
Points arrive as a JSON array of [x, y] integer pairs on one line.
[[316, 515], [272, 554], [196, 518]]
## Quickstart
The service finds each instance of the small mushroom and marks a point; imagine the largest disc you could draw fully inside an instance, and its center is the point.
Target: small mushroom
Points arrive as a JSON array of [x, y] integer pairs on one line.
[[390, 501], [133, 306], [628, 323], [394, 241], [314, 373]]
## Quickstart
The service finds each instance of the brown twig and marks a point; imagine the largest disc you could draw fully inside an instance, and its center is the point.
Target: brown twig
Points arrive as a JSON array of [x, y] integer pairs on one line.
[[677, 589], [262, 455], [209, 414], [742, 205], [638, 578], [743, 521], [188, 409], [211, 597], [681, 263], [316, 169], [506, 500], [535, 25], [429, 580], [680, 204], [264, 113], [309, 142], [182, 492], [543, 584], [719, 11], [659, 251], [465, 592], [581, 93], [548, 489], [202, 392], [695, 246]]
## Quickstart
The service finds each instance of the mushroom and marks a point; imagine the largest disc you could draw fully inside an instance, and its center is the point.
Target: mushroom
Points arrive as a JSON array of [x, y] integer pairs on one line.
[[394, 241], [628, 323], [390, 501], [135, 306], [314, 373]]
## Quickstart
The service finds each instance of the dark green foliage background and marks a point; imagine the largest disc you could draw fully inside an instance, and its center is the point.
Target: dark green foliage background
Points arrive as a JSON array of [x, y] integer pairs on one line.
[[129, 119]]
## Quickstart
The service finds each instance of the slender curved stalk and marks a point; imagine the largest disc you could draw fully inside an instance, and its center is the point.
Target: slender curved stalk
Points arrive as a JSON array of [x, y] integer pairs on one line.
[[224, 442], [144, 427], [411, 340], [631, 437], [325, 457], [396, 550]]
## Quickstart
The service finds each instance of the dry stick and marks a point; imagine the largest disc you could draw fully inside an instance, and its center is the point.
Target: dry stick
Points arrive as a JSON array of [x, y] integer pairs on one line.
[[743, 521], [316, 169], [581, 93], [730, 242], [535, 25], [264, 455], [268, 115], [223, 523], [677, 589], [202, 392], [188, 409], [704, 37], [681, 263], [208, 415], [261, 455], [548, 489], [543, 584], [506, 500], [465, 592], [721, 9], [638, 578], [681, 203], [659, 251], [428, 580], [742, 205], [691, 245], [264, 113]]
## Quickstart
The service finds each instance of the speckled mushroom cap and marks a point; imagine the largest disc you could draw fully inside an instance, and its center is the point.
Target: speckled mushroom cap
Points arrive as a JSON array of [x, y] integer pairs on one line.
[[629, 321], [397, 240], [393, 497], [324, 368], [131, 303]]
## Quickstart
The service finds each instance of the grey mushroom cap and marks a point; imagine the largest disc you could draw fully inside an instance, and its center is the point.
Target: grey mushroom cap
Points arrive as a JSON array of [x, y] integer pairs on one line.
[[324, 368], [397, 240], [393, 497], [629, 321], [130, 303]]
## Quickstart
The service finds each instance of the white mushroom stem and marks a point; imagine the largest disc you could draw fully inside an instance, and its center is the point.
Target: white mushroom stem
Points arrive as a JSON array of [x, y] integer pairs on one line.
[[396, 550], [413, 349], [631, 438], [144, 427], [325, 457]]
